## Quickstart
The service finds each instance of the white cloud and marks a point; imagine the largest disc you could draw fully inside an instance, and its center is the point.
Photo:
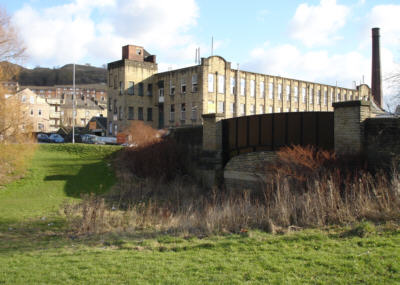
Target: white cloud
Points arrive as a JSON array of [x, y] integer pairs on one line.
[[317, 25], [387, 18], [320, 66], [96, 29]]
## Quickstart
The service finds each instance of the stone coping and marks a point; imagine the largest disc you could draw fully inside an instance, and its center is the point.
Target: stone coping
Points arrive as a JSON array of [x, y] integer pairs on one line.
[[355, 103]]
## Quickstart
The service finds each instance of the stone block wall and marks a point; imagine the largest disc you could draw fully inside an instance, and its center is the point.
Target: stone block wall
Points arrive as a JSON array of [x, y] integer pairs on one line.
[[245, 171], [348, 130], [382, 142]]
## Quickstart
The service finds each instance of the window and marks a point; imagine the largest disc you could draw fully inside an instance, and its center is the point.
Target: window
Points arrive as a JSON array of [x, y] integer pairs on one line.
[[109, 83], [261, 109], [325, 97], [271, 90], [140, 91], [252, 88], [131, 90], [40, 126], [221, 84], [194, 112], [252, 109], [210, 82], [303, 95], [242, 109], [183, 88], [319, 97], [32, 100], [296, 94], [120, 88], [194, 83], [344, 97], [351, 96], [220, 106], [338, 97], [120, 112], [287, 92], [130, 113], [172, 91], [262, 89], [140, 113], [149, 89], [39, 112], [211, 106], [23, 99], [161, 92], [172, 113], [279, 91], [278, 110], [138, 51], [31, 112], [311, 96], [270, 109], [115, 107], [242, 86], [83, 122], [233, 85], [109, 105], [183, 112], [149, 114], [115, 129], [232, 108]]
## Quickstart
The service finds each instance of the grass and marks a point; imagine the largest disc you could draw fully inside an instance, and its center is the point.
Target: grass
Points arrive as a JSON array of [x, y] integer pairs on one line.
[[310, 256], [56, 173], [36, 245]]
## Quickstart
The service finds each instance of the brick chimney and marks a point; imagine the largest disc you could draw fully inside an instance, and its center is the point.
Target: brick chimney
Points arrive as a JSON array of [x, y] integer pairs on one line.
[[376, 85]]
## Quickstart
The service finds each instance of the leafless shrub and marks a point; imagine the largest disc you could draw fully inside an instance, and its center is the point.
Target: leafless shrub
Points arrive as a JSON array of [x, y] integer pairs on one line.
[[326, 196]]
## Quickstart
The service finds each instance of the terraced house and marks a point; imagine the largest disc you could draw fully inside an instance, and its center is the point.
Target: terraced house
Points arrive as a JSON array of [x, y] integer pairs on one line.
[[137, 91]]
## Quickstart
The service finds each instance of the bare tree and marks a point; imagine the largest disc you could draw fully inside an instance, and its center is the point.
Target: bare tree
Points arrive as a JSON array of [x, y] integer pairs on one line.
[[13, 116], [11, 46]]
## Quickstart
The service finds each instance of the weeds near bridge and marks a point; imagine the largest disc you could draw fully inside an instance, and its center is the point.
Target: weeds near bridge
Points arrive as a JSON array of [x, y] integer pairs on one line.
[[290, 199]]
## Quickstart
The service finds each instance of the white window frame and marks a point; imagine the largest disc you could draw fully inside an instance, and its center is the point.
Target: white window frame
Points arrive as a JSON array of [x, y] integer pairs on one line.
[[221, 84], [252, 88], [210, 82], [262, 89], [242, 86]]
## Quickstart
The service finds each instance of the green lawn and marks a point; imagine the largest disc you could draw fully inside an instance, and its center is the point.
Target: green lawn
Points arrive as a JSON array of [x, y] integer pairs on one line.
[[38, 250], [57, 173]]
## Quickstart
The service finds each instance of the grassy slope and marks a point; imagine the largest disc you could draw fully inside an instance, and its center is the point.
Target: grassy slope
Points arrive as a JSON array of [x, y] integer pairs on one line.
[[36, 251], [57, 173]]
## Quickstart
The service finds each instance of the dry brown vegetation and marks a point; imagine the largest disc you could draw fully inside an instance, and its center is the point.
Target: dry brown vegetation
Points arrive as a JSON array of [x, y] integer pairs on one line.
[[152, 156], [289, 201]]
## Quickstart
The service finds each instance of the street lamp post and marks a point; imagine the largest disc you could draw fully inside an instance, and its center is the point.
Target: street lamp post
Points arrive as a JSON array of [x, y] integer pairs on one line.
[[73, 105]]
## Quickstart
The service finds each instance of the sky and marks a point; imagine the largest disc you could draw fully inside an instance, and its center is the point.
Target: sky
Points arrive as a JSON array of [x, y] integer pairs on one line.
[[327, 41]]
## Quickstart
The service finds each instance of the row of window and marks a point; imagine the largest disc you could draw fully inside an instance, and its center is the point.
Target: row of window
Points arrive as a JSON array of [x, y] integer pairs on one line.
[[271, 90], [182, 113], [131, 113], [242, 108]]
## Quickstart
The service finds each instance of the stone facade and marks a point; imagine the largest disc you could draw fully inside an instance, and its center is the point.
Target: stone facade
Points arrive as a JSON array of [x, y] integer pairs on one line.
[[180, 97], [348, 125], [37, 110]]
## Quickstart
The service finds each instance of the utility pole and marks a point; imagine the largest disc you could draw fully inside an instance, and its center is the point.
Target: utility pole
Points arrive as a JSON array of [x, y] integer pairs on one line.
[[73, 105]]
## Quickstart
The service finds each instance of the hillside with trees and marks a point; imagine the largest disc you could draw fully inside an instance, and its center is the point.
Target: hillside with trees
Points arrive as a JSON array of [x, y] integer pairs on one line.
[[41, 76]]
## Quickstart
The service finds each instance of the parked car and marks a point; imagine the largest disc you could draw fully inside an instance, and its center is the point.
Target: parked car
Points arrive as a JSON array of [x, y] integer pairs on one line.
[[88, 138], [43, 138], [56, 138]]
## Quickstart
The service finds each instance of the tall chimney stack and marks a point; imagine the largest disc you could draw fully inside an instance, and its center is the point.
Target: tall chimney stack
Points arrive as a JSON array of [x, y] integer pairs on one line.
[[376, 85]]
